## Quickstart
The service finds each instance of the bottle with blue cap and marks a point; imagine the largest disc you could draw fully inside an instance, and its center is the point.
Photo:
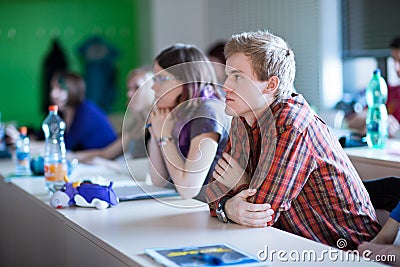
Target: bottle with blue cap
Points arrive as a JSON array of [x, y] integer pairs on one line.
[[22, 153], [377, 116]]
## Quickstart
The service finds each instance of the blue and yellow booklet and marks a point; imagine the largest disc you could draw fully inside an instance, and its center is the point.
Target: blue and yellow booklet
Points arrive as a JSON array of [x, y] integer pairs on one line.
[[210, 255]]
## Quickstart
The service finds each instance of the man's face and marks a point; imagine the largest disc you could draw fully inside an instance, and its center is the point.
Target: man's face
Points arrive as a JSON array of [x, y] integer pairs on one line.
[[396, 57], [244, 93]]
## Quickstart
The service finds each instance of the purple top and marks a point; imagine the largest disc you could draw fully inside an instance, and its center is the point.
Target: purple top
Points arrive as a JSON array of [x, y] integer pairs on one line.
[[197, 116]]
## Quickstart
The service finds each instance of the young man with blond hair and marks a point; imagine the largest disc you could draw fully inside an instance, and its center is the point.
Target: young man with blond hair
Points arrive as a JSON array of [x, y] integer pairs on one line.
[[282, 166]]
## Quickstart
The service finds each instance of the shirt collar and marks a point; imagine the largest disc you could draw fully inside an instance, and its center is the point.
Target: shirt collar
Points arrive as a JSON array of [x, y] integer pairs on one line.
[[273, 108]]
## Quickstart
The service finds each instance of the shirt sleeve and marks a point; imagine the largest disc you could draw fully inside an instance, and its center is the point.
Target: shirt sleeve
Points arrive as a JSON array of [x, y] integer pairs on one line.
[[282, 180], [206, 119], [90, 129], [395, 214], [215, 191], [204, 125]]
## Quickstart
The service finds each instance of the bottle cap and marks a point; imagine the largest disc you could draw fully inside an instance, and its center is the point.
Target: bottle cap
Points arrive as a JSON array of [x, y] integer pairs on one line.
[[53, 108], [23, 130], [377, 72]]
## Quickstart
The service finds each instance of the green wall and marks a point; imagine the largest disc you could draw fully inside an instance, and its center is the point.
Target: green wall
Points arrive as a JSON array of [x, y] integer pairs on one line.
[[27, 28]]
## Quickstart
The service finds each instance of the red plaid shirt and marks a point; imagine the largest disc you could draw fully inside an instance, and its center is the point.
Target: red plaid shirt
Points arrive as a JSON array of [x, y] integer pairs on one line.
[[299, 167]]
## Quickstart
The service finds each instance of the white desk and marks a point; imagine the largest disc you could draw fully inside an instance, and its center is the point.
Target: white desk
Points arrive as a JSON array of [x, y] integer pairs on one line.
[[375, 163], [34, 234]]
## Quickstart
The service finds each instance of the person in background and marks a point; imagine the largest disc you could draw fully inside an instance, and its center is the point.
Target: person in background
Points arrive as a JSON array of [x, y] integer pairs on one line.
[[296, 176], [356, 120], [87, 127], [216, 55], [383, 191], [132, 140], [189, 128], [385, 245]]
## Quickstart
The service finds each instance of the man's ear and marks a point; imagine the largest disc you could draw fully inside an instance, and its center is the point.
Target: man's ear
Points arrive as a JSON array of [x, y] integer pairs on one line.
[[272, 85]]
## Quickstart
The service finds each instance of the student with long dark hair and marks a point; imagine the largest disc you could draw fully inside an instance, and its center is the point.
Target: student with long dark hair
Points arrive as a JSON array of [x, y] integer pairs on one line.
[[87, 125], [189, 128]]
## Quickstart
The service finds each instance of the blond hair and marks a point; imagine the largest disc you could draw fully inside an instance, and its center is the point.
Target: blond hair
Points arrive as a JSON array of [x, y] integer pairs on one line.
[[269, 56]]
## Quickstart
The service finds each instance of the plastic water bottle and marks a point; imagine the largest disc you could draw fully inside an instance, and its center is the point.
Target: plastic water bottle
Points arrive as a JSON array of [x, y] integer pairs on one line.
[[55, 163], [377, 116], [22, 166]]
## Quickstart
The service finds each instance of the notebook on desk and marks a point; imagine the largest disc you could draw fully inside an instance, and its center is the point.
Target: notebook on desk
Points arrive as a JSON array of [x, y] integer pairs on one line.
[[135, 192], [206, 256]]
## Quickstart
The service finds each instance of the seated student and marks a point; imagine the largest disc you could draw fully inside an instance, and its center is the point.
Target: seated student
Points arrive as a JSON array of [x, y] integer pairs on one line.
[[356, 120], [385, 244], [281, 155], [189, 127], [87, 125], [132, 140]]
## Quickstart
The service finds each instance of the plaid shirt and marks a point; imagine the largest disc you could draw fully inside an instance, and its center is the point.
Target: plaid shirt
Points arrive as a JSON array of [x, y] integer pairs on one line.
[[299, 167]]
